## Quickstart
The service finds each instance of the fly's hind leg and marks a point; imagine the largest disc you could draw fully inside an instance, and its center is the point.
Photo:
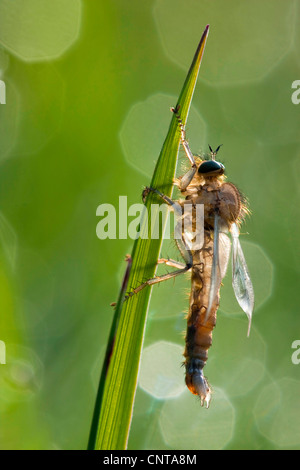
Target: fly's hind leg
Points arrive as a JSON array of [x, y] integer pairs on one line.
[[187, 178], [156, 280]]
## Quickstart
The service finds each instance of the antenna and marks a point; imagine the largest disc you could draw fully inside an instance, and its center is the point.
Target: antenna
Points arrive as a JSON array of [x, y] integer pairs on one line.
[[214, 153]]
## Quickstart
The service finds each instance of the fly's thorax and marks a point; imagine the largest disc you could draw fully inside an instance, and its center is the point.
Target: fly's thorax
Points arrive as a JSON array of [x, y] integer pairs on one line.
[[230, 203], [208, 196], [216, 196]]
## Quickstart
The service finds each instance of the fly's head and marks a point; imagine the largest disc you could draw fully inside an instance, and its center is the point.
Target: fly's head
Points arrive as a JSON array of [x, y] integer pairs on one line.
[[210, 169]]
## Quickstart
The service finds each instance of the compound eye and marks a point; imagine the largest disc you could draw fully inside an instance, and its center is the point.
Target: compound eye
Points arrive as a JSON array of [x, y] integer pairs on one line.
[[211, 166]]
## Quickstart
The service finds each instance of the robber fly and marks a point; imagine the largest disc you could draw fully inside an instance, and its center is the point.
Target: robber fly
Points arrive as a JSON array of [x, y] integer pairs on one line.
[[224, 210]]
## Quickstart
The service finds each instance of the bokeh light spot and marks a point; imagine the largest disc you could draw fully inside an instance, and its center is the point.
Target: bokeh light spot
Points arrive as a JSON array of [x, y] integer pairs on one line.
[[36, 30], [145, 128], [236, 362], [161, 375], [277, 412], [22, 375], [259, 48], [244, 376], [186, 425], [254, 113], [41, 107], [261, 272]]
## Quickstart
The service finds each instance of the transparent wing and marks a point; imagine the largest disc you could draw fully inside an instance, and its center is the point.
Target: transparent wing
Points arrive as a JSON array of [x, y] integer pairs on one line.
[[241, 281], [221, 252], [224, 253]]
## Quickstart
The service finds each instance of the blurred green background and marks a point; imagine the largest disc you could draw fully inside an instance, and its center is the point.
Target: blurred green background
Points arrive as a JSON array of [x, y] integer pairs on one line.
[[88, 90]]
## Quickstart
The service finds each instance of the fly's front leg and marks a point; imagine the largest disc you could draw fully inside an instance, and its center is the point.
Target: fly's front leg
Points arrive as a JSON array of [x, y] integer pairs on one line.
[[187, 178]]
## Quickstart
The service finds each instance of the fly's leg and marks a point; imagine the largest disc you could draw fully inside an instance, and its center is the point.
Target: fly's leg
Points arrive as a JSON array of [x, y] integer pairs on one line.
[[156, 280], [184, 142], [179, 239], [171, 262], [185, 252], [173, 204], [183, 268], [187, 178]]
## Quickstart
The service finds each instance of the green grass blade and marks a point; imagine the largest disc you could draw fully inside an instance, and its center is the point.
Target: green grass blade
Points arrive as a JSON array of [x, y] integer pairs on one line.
[[114, 404]]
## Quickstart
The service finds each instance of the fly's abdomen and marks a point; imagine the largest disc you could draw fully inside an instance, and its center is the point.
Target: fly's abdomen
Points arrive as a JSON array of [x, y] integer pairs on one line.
[[199, 336]]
